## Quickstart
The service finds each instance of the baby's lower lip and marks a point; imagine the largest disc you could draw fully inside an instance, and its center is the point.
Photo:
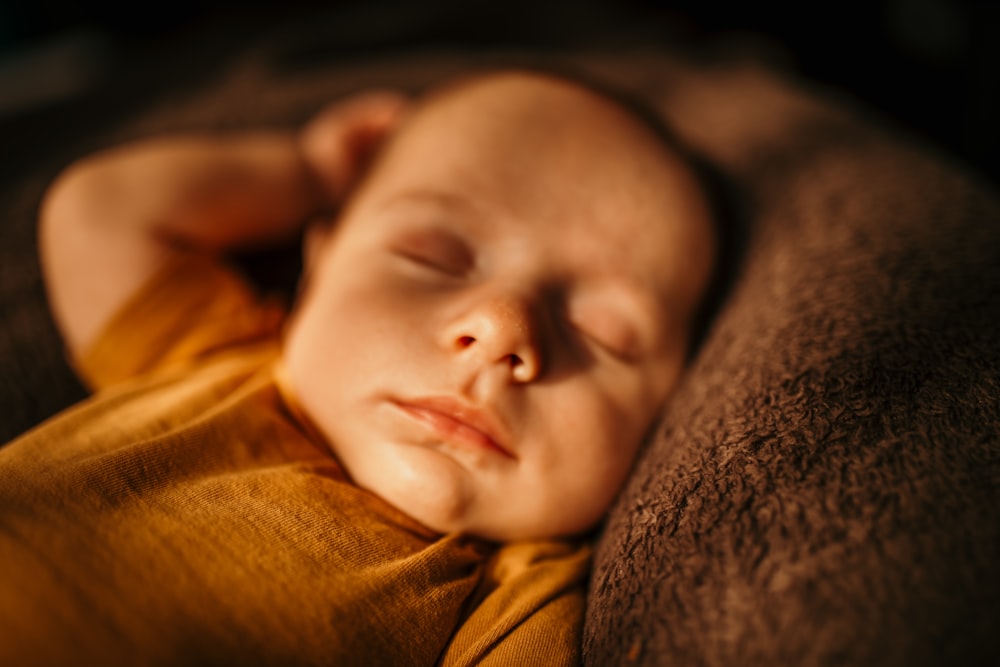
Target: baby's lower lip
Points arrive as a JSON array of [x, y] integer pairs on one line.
[[452, 429]]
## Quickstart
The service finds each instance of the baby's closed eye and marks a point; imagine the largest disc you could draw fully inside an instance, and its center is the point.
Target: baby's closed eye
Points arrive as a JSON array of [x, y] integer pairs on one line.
[[435, 249], [601, 323]]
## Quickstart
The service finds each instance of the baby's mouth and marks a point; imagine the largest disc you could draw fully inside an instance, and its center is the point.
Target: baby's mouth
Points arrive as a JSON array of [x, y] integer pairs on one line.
[[456, 423]]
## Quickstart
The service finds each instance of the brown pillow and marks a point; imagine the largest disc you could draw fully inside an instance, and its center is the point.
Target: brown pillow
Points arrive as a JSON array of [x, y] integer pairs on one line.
[[825, 487]]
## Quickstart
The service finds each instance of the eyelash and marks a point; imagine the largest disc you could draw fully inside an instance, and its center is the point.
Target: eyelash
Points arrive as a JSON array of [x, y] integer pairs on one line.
[[607, 348], [592, 340], [426, 261]]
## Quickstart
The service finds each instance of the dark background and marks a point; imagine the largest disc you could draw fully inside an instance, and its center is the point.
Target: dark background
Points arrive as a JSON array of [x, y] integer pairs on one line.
[[931, 65]]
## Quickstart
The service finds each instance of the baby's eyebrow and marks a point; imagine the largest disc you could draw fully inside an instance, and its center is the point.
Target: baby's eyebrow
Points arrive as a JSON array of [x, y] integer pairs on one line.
[[441, 200]]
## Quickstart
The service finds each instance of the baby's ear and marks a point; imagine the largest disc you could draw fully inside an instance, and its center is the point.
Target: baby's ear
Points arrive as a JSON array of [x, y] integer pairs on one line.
[[340, 140]]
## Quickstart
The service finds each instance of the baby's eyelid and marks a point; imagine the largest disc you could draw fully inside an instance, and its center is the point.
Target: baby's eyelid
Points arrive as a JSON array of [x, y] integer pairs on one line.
[[627, 352], [447, 266], [622, 344], [445, 254]]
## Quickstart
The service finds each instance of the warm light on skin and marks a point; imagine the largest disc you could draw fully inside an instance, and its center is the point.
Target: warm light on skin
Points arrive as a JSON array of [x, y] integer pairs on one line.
[[503, 308]]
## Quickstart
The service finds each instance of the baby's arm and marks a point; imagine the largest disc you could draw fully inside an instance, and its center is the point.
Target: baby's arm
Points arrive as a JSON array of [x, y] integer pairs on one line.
[[111, 220]]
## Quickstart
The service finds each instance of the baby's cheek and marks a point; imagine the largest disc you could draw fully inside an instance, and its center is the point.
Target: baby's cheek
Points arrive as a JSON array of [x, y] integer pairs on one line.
[[594, 439]]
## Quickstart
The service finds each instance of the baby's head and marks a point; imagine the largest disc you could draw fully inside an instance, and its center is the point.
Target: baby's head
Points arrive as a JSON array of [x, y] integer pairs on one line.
[[503, 307]]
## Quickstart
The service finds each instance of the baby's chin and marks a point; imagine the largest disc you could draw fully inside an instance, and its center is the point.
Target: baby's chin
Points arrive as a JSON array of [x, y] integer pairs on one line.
[[442, 495], [422, 483]]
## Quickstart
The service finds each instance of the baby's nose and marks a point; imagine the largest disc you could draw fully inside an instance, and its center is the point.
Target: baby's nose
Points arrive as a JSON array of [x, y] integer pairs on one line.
[[505, 331]]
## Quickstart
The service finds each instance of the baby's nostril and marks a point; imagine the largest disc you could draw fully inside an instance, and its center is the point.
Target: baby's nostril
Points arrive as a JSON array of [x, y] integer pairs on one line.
[[515, 361], [466, 341]]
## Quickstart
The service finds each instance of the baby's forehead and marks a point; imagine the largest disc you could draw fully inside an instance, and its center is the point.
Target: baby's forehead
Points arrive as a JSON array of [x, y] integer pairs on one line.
[[541, 154], [523, 126]]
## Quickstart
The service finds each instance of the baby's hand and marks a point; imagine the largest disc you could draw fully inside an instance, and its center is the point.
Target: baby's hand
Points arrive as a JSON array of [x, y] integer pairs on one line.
[[339, 141], [111, 220]]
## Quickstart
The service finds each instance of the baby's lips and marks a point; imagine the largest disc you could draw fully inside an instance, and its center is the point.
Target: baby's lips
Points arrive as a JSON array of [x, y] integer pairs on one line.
[[457, 419]]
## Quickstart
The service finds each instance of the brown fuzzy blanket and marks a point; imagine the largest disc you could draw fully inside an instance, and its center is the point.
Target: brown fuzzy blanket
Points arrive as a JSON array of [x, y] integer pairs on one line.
[[825, 488]]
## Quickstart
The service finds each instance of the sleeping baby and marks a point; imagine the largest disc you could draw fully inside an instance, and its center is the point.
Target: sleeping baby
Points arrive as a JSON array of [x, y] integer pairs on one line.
[[500, 285]]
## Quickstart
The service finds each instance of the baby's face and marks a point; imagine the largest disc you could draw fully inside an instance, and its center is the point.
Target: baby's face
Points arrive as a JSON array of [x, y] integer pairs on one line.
[[503, 308]]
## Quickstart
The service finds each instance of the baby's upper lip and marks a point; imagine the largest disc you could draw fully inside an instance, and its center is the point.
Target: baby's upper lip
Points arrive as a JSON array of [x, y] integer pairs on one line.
[[482, 421]]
